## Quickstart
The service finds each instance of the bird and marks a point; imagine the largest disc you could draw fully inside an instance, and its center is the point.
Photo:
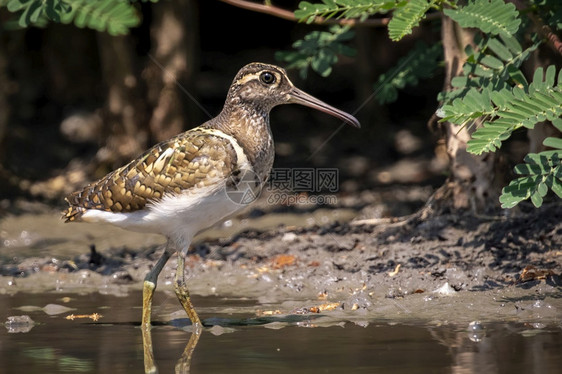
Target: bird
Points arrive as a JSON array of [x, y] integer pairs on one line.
[[181, 186]]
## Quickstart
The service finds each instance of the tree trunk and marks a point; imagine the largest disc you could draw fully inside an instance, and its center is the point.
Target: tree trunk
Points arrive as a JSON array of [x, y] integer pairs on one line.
[[125, 114], [170, 69], [471, 182]]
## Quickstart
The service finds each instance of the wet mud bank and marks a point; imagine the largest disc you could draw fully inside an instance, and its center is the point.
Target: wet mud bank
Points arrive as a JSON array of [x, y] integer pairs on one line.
[[444, 268]]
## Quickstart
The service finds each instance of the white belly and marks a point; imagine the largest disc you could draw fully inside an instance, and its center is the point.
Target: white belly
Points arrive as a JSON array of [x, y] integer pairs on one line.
[[178, 217]]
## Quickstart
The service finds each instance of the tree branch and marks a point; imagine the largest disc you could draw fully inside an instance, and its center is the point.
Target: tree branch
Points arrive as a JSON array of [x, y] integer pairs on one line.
[[262, 8], [290, 16]]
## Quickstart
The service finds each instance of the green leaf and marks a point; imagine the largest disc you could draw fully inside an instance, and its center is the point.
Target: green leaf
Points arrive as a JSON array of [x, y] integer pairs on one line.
[[518, 190], [35, 10], [556, 186], [115, 17], [505, 111], [343, 9], [53, 9], [492, 65], [518, 113], [489, 137], [541, 171], [492, 62], [553, 143], [472, 106], [491, 16], [15, 5], [536, 199], [322, 63], [499, 49], [407, 17]]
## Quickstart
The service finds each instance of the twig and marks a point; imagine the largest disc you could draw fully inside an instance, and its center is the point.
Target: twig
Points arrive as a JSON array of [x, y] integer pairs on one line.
[[93, 316], [262, 8], [290, 16]]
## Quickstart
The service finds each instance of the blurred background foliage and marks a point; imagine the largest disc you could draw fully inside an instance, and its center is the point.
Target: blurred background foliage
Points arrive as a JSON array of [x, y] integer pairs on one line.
[[87, 84]]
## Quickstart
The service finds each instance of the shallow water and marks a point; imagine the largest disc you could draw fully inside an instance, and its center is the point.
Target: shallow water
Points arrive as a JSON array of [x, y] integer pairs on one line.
[[236, 341]]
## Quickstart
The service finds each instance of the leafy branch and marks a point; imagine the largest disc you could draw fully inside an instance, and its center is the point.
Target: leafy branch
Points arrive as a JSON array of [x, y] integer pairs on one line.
[[32, 11], [407, 16], [270, 9], [494, 17], [347, 9], [506, 110], [116, 17], [540, 172], [494, 64], [318, 50]]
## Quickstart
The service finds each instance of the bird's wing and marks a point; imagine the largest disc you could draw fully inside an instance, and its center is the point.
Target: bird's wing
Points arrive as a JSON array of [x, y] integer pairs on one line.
[[195, 159]]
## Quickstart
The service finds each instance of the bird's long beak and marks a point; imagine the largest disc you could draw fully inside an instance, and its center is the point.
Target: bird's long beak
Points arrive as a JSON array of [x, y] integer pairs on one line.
[[300, 97]]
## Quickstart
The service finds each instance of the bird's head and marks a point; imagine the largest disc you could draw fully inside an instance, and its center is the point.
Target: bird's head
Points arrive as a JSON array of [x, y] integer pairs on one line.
[[266, 86]]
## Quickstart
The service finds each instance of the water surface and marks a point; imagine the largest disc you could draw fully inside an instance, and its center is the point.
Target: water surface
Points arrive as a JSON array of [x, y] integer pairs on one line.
[[236, 340]]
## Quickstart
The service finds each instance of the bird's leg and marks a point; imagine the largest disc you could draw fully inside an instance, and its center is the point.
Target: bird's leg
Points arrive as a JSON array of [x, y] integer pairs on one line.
[[150, 282], [183, 293], [148, 353], [149, 286], [184, 363], [180, 286]]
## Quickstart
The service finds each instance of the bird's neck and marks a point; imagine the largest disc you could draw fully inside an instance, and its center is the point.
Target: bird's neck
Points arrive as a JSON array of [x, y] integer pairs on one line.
[[249, 125]]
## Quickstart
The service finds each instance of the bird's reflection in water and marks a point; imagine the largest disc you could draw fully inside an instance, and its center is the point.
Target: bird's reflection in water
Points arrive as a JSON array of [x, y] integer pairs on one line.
[[184, 362]]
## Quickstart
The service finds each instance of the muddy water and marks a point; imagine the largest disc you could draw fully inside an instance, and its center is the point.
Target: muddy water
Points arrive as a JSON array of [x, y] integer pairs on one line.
[[236, 341]]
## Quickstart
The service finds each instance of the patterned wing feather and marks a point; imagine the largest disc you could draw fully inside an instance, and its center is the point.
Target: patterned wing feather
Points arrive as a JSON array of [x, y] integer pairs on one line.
[[193, 159]]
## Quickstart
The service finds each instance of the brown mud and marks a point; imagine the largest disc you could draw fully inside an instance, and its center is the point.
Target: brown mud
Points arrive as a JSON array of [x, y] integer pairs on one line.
[[449, 268]]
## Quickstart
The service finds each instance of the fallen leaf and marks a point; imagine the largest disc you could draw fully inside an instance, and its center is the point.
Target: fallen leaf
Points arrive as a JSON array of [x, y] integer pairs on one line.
[[261, 313], [324, 307], [530, 273], [316, 309], [396, 269], [282, 261]]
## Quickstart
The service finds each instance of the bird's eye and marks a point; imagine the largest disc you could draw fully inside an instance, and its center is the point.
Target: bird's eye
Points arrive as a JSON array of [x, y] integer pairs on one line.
[[267, 78]]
